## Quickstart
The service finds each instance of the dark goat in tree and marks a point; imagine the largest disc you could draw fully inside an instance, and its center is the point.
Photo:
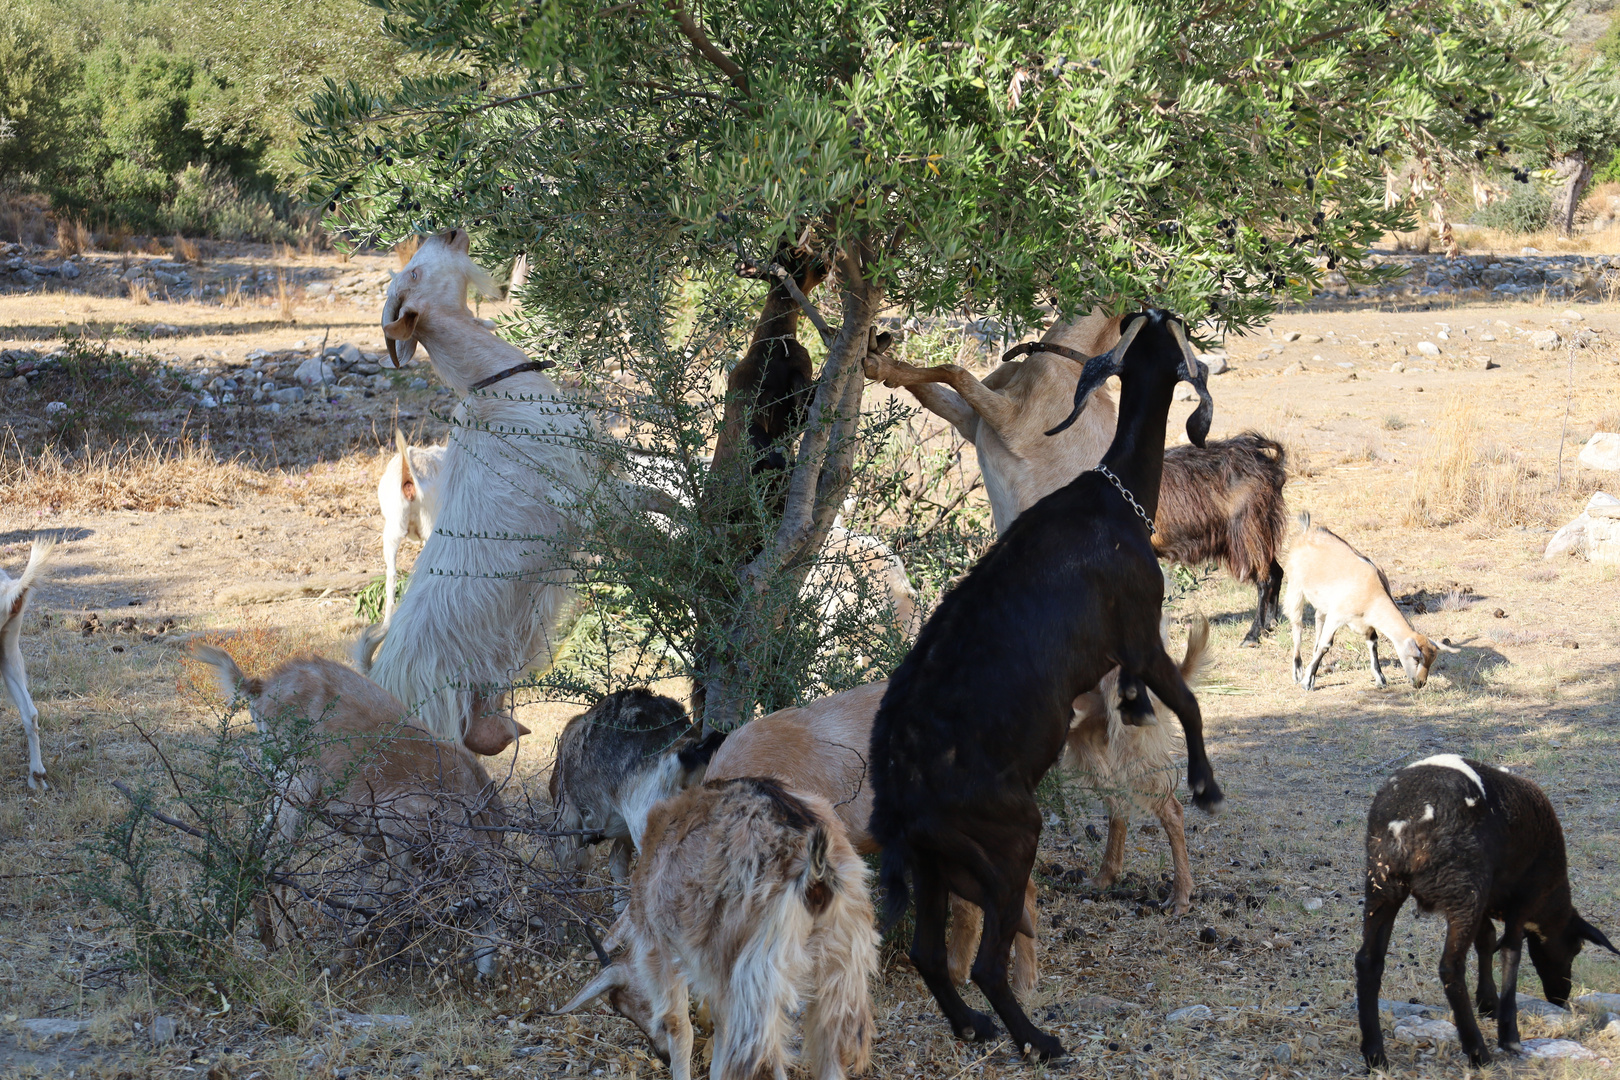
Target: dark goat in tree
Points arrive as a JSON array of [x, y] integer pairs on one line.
[[1478, 844], [980, 708], [768, 392], [1223, 503]]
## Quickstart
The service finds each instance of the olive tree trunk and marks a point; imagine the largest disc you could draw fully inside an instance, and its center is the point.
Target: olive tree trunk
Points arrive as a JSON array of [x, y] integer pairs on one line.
[[1576, 172], [816, 488]]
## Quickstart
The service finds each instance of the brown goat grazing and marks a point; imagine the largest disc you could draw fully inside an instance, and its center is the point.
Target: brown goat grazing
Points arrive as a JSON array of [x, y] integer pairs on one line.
[[820, 749], [751, 895], [1223, 502], [409, 798], [1478, 844]]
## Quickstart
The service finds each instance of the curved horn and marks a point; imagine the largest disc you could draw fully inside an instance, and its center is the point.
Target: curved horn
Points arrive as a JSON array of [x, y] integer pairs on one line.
[[1196, 373], [601, 953], [1098, 368]]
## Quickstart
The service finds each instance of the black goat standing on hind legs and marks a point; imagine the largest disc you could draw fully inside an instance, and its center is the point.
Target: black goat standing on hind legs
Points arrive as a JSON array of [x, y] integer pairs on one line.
[[979, 710]]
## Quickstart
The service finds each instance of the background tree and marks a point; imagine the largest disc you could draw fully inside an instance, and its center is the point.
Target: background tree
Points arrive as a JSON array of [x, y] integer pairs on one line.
[[985, 156], [1584, 133]]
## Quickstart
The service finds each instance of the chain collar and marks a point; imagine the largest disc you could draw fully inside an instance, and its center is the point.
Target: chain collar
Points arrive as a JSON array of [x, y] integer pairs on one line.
[[1123, 490]]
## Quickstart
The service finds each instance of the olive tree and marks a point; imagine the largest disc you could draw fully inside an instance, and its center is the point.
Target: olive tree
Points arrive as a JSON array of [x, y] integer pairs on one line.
[[1008, 157]]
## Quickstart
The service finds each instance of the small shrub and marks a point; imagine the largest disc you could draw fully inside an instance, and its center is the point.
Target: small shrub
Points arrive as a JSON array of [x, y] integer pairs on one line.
[[368, 602], [102, 390], [186, 251], [72, 238], [1393, 423], [1526, 209], [139, 293]]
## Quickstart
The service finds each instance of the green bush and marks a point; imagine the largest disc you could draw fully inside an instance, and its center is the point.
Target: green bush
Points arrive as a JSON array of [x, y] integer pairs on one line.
[[1526, 209]]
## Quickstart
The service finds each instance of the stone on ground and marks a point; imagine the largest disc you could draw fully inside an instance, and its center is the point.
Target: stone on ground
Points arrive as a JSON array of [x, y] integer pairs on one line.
[[1602, 451]]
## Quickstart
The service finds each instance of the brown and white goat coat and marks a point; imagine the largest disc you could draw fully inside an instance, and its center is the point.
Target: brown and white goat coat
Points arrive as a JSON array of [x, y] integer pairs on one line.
[[752, 896]]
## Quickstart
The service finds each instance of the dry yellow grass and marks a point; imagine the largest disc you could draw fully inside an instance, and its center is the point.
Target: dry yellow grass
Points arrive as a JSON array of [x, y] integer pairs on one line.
[[72, 238], [1463, 477], [287, 297], [139, 293], [186, 251], [406, 248], [152, 476], [1547, 241]]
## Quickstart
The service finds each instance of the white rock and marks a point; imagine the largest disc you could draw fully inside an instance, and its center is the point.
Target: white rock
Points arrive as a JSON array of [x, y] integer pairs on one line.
[[1428, 348], [386, 1020], [55, 407], [1546, 340], [1318, 358], [1292, 335], [1602, 451], [290, 395], [1397, 367], [1487, 337], [1313, 904], [421, 384], [347, 353], [1556, 1048], [1443, 336], [1215, 363], [51, 1028], [314, 371], [1189, 1013], [1571, 313], [1185, 393], [164, 1029], [208, 401], [1529, 1006], [1413, 1030]]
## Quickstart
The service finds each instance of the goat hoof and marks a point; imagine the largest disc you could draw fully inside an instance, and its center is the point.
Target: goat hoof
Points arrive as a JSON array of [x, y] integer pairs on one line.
[[979, 1028], [1479, 1058], [1043, 1048], [1375, 1059]]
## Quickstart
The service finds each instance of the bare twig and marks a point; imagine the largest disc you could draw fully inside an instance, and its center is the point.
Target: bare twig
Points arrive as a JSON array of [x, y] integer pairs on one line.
[[700, 41], [810, 311], [1563, 432], [524, 97]]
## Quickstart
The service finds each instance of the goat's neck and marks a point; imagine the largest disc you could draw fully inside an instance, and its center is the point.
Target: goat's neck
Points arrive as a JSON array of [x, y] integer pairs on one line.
[[1382, 615], [780, 317], [464, 351], [1136, 455]]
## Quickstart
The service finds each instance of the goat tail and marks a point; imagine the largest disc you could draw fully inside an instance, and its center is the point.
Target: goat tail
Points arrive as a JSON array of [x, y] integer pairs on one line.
[[892, 876], [1197, 654], [366, 645], [843, 949], [407, 480], [14, 592], [229, 676]]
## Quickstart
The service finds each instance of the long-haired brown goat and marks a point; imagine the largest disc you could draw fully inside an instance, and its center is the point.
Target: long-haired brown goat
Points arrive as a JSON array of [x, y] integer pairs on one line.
[[751, 895]]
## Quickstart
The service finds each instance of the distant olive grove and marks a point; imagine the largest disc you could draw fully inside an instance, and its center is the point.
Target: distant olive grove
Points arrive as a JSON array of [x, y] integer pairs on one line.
[[175, 116]]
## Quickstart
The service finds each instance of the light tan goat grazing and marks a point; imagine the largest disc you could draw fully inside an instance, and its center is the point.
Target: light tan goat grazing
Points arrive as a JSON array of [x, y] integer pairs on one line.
[[14, 594], [752, 896], [1135, 765], [821, 748], [1347, 589], [418, 806]]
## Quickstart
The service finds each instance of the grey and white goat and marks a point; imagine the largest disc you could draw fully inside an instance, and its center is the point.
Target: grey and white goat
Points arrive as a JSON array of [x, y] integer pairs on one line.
[[1478, 844]]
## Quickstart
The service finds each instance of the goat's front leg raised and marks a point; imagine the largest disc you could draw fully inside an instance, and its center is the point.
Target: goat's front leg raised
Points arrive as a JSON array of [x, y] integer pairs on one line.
[[1163, 676], [995, 410]]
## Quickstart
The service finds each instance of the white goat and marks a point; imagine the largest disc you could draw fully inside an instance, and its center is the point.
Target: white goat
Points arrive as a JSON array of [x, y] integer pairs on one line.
[[487, 594], [409, 797], [14, 596], [751, 895], [1347, 589], [408, 494]]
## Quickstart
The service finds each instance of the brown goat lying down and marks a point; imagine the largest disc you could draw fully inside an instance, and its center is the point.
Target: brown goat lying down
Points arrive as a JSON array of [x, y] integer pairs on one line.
[[820, 748], [752, 896], [407, 796]]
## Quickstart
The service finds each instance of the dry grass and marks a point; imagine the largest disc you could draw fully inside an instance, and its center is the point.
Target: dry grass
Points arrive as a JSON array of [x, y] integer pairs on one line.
[[287, 298], [139, 293], [186, 251], [148, 476], [1547, 241], [72, 238], [406, 248], [1462, 477]]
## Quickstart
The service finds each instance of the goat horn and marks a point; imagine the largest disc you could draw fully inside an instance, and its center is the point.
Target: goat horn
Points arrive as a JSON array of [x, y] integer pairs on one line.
[[1098, 368], [1198, 423], [596, 944]]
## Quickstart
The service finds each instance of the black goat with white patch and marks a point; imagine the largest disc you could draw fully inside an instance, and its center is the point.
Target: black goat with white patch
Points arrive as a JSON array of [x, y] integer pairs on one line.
[[1223, 502], [1478, 844], [980, 708]]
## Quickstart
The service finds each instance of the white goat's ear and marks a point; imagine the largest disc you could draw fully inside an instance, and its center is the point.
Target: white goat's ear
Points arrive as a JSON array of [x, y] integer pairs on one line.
[[610, 977], [456, 240]]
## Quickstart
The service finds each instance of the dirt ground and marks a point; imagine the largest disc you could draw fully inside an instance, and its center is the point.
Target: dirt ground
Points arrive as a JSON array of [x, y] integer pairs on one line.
[[1275, 921]]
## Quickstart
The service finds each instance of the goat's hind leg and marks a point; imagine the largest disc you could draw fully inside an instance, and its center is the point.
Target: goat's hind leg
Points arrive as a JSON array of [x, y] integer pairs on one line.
[[1002, 916], [928, 955], [1267, 587]]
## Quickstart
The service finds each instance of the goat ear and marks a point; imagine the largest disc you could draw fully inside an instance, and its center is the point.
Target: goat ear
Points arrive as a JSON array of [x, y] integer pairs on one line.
[[696, 757], [401, 335], [609, 978], [1587, 932], [1194, 371], [456, 240], [1098, 368], [490, 731]]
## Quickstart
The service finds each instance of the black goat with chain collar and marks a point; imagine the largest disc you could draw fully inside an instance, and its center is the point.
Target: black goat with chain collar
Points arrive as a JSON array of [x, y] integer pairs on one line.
[[979, 710]]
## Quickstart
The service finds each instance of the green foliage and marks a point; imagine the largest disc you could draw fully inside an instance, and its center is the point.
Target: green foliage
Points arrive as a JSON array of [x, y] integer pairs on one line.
[[368, 602], [101, 390], [1526, 209]]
